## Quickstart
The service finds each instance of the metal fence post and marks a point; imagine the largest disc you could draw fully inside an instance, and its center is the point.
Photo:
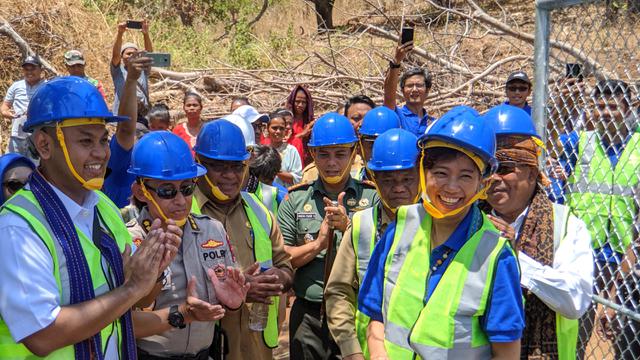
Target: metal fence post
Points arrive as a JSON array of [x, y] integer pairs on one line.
[[541, 58]]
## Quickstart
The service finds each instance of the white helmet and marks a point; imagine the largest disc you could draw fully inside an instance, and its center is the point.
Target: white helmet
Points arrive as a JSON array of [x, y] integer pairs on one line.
[[245, 127]]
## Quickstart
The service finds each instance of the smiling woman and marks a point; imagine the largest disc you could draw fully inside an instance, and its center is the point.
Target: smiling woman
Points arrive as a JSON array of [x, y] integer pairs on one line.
[[470, 273]]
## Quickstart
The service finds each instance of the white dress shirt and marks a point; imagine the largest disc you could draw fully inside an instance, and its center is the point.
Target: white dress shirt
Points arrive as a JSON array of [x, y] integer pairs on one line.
[[566, 287], [29, 296]]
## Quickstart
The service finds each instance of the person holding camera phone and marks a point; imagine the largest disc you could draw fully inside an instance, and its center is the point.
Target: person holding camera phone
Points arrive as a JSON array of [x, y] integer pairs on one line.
[[120, 59], [415, 84]]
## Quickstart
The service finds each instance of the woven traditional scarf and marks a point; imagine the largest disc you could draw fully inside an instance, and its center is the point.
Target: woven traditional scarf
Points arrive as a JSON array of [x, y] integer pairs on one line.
[[535, 239], [80, 283]]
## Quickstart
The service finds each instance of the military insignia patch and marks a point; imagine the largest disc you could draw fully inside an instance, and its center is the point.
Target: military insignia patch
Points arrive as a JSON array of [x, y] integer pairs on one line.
[[307, 207], [221, 271], [352, 202], [364, 202]]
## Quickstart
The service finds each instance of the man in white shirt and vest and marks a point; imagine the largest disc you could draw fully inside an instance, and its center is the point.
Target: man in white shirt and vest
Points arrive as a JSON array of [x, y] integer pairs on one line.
[[553, 245], [67, 276]]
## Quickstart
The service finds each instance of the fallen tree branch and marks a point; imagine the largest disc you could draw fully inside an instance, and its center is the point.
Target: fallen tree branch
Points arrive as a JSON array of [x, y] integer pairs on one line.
[[23, 45]]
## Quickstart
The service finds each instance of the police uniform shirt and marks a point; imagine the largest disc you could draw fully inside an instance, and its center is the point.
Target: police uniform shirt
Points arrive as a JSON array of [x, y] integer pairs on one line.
[[300, 217], [204, 245], [29, 296], [341, 293], [243, 342]]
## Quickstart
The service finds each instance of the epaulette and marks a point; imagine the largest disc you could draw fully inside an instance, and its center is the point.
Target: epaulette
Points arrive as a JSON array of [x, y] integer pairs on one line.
[[309, 167], [300, 186], [367, 183]]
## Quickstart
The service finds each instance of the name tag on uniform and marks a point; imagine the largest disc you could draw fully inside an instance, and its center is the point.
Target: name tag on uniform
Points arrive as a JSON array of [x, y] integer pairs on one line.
[[306, 216]]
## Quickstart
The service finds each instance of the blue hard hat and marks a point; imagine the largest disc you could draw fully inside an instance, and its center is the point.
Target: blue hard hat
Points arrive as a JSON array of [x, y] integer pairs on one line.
[[395, 149], [68, 97], [464, 127], [510, 120], [164, 156], [379, 120], [221, 140], [332, 129]]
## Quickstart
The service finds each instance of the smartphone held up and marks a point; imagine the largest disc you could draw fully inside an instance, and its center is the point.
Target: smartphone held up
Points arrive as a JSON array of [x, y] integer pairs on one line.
[[407, 34], [134, 24]]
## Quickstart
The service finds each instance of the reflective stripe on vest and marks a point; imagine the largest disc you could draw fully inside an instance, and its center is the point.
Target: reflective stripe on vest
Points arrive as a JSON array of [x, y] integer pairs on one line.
[[25, 205], [566, 329], [456, 304], [261, 223], [268, 195], [606, 198], [363, 237]]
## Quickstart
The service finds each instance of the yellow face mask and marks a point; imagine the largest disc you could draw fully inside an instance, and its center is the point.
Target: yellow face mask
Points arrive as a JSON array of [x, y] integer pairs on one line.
[[426, 202], [217, 193], [384, 202], [336, 179], [91, 184], [179, 222]]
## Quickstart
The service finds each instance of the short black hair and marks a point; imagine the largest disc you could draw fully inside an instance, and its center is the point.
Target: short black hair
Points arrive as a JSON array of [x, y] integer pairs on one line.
[[159, 111], [612, 88], [358, 99], [437, 154], [266, 163], [280, 113], [417, 71]]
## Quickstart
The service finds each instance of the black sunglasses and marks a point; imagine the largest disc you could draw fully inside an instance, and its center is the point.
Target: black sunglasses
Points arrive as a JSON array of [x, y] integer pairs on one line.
[[506, 167], [169, 191], [14, 185]]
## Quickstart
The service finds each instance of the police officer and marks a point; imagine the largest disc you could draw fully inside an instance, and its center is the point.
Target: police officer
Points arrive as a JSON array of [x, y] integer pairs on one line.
[[554, 246], [375, 122], [442, 283], [166, 179], [393, 163], [63, 289], [253, 233], [314, 218]]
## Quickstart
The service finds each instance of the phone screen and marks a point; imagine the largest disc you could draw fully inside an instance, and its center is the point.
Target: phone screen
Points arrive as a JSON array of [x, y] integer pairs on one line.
[[131, 24], [573, 71], [407, 34]]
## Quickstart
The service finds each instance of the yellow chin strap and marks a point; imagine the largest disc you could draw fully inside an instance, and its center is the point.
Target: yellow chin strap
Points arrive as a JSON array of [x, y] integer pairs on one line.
[[336, 179], [179, 222], [91, 184], [426, 202]]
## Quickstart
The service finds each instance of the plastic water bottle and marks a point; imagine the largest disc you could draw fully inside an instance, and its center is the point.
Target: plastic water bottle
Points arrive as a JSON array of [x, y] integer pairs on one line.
[[259, 313]]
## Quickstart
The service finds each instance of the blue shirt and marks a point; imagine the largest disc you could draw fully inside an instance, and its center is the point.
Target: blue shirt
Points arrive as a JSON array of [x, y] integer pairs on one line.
[[568, 160], [526, 107], [504, 318], [117, 183], [282, 192], [410, 121]]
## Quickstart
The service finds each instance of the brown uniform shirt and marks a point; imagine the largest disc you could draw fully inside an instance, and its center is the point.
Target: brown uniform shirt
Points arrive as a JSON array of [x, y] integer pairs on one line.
[[341, 294], [243, 343]]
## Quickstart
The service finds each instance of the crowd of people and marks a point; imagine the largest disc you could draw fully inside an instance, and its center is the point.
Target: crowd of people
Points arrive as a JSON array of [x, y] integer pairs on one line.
[[389, 233]]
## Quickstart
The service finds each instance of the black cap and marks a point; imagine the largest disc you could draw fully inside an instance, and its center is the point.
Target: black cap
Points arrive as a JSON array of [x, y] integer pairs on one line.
[[31, 60], [519, 75]]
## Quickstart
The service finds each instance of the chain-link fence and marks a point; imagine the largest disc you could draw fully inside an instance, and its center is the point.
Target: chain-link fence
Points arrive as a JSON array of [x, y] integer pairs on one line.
[[586, 104]]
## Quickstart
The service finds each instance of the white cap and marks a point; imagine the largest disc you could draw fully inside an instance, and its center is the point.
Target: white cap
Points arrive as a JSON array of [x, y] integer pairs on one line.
[[250, 114], [246, 128]]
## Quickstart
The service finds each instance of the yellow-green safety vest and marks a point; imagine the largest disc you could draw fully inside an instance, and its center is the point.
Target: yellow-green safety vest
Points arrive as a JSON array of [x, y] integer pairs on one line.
[[25, 205], [268, 195], [448, 326], [363, 237], [602, 196], [260, 221], [566, 329]]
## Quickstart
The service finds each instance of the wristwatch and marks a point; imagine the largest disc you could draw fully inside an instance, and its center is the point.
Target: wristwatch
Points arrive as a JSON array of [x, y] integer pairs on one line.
[[393, 65], [176, 319]]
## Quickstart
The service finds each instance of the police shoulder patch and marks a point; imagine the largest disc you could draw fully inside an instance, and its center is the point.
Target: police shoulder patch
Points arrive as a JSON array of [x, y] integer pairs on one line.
[[146, 224]]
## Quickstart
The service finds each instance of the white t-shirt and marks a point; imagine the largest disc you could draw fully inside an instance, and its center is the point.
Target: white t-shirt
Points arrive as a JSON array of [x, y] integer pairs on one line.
[[19, 95]]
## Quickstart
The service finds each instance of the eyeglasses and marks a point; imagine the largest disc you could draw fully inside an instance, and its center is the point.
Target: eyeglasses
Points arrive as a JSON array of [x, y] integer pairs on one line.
[[417, 86], [506, 167], [14, 185], [518, 88], [169, 191], [225, 166]]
